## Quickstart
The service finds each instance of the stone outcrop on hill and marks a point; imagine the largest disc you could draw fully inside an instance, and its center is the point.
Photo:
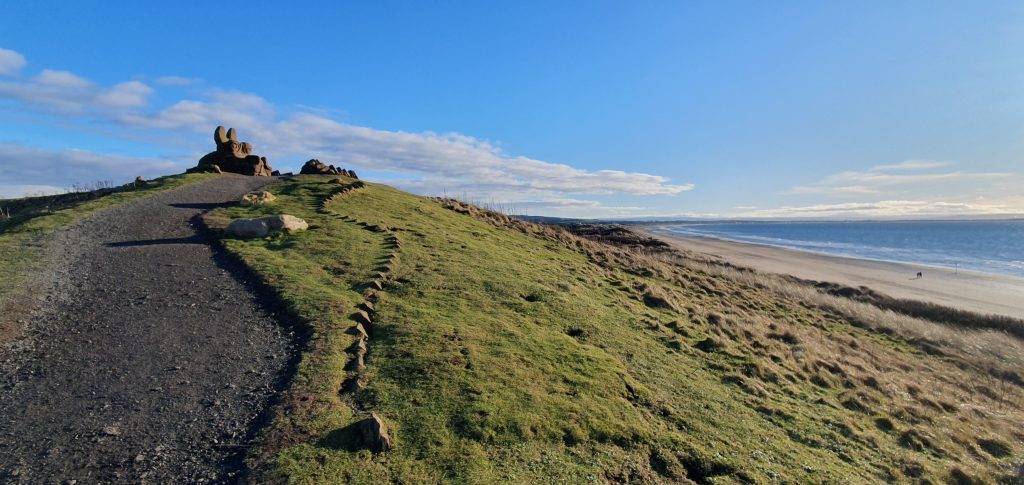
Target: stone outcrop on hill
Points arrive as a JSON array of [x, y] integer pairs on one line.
[[232, 156], [617, 235], [316, 167], [265, 225]]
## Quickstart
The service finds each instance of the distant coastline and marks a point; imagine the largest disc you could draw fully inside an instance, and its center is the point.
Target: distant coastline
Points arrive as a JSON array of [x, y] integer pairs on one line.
[[965, 289], [985, 246]]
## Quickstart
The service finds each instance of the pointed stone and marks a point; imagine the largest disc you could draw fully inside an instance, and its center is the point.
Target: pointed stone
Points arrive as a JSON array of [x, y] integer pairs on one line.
[[352, 384], [376, 435], [357, 364], [360, 330]]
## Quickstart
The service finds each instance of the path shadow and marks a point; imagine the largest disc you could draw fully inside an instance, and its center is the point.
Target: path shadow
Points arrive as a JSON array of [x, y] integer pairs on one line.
[[270, 302], [205, 206], [193, 239]]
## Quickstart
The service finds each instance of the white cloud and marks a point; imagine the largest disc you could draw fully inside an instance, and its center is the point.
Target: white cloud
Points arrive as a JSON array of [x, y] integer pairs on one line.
[[450, 156], [32, 166], [11, 62], [564, 207], [832, 190], [429, 161], [56, 91], [68, 94], [891, 209], [909, 189], [175, 81], [909, 165], [880, 179], [131, 94], [16, 191], [62, 80]]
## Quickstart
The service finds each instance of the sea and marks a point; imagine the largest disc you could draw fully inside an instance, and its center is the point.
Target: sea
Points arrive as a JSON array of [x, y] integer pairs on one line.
[[986, 246]]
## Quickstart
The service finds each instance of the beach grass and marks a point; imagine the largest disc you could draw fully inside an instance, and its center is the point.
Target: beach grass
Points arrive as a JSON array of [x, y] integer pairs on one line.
[[503, 351]]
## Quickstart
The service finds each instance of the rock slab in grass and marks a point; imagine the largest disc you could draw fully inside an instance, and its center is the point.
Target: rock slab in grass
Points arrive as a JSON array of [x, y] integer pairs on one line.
[[262, 226], [257, 198]]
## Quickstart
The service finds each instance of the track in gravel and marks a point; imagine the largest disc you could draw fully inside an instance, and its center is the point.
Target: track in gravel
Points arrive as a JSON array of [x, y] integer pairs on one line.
[[153, 357]]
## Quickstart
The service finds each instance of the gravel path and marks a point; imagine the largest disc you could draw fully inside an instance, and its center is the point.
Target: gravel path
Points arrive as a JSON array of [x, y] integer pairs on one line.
[[152, 358]]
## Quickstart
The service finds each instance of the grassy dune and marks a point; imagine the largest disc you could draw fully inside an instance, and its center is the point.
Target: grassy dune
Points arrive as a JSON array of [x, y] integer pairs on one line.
[[503, 351]]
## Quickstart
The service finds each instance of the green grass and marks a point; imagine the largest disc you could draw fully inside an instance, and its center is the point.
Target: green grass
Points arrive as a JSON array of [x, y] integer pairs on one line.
[[32, 221], [499, 356]]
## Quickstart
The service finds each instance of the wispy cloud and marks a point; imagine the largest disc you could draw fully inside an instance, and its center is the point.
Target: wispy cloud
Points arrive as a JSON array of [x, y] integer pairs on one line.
[[175, 81], [429, 161], [909, 165], [38, 167], [66, 94], [826, 189], [574, 207], [11, 62], [890, 209], [892, 179], [22, 190]]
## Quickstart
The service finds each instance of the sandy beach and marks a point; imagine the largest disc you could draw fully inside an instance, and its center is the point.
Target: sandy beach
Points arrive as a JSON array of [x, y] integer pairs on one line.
[[979, 292]]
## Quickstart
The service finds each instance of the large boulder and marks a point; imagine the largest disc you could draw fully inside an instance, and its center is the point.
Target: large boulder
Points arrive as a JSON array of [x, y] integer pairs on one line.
[[316, 167], [246, 228], [232, 156]]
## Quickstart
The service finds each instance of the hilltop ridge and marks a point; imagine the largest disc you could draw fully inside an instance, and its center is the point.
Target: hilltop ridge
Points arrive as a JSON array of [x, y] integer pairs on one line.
[[440, 342], [503, 350]]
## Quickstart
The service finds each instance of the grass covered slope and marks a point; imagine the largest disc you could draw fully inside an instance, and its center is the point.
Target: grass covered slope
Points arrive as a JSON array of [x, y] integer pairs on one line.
[[502, 351]]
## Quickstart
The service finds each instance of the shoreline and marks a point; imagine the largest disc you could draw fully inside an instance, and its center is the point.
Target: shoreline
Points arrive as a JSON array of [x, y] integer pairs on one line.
[[964, 289]]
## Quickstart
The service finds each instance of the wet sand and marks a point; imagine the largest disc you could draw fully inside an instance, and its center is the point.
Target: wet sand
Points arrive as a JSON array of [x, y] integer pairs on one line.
[[968, 290]]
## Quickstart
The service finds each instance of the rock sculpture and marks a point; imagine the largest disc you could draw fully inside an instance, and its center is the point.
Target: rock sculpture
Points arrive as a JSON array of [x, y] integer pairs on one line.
[[316, 167], [232, 156]]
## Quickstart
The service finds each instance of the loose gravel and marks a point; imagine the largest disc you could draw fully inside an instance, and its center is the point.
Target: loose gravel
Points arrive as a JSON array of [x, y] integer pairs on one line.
[[153, 356]]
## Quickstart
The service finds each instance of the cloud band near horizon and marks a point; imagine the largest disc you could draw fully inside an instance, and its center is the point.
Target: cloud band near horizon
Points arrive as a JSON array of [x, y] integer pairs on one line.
[[430, 161]]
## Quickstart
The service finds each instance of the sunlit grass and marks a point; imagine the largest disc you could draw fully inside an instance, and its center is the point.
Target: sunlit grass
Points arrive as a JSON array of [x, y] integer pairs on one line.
[[509, 352]]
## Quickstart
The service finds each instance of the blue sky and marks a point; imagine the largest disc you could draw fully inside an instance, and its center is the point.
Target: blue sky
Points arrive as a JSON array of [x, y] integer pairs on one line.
[[602, 109]]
